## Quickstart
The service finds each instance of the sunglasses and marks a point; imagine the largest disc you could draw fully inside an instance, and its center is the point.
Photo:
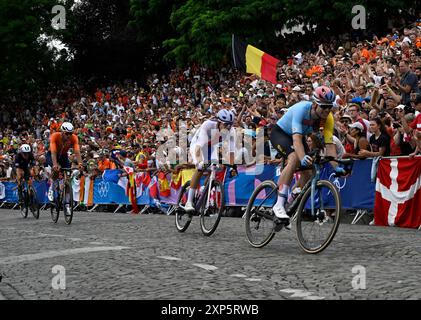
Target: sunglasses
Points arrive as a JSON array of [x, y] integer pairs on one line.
[[325, 106]]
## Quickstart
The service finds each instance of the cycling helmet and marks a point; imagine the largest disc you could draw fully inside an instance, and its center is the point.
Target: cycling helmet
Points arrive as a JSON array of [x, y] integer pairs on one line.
[[225, 116], [324, 95], [26, 148], [66, 127]]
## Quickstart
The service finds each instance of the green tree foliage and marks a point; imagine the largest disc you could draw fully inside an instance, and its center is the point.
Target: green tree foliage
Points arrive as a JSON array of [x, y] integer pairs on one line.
[[25, 59], [203, 28]]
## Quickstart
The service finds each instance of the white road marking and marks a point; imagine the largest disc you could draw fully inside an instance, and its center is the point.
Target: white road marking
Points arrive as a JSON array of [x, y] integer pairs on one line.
[[51, 235], [314, 298], [75, 239], [169, 258], [253, 279], [205, 266], [238, 275], [289, 290], [96, 243], [297, 293], [302, 294], [56, 253], [40, 235]]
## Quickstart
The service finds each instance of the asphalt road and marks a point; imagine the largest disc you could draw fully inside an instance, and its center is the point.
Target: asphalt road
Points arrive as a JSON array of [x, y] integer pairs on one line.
[[123, 256]]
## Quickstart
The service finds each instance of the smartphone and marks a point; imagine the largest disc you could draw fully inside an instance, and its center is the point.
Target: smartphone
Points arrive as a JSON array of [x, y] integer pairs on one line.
[[382, 81]]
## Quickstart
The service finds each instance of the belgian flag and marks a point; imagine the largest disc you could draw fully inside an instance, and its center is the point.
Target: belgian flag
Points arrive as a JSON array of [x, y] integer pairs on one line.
[[249, 59]]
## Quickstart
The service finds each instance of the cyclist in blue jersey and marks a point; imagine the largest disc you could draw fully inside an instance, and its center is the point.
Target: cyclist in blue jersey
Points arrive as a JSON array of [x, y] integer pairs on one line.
[[288, 136]]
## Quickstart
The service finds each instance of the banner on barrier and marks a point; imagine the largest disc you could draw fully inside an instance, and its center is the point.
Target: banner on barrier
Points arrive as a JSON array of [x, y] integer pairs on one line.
[[356, 191], [2, 191]]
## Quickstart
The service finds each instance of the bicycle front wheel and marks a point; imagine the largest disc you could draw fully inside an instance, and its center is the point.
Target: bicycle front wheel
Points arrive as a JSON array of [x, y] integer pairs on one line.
[[55, 207], [24, 204], [182, 218], [33, 202], [259, 214], [210, 217], [316, 229], [68, 203]]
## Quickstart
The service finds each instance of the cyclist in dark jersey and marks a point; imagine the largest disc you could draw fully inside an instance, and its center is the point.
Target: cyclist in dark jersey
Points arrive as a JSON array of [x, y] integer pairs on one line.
[[24, 162]]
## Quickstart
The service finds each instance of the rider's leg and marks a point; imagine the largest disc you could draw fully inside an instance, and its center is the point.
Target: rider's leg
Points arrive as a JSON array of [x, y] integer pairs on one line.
[[19, 177], [194, 184], [64, 163], [283, 186]]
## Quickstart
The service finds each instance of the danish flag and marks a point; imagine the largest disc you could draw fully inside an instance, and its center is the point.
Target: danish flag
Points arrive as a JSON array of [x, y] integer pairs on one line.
[[398, 193]]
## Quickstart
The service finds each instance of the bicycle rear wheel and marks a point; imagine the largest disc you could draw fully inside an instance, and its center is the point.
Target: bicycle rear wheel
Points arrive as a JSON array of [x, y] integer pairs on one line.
[[210, 217], [259, 224], [33, 202], [68, 211], [316, 231], [182, 218]]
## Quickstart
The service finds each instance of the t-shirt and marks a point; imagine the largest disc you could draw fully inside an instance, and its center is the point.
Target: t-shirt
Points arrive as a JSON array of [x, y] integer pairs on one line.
[[383, 141], [416, 124], [410, 79]]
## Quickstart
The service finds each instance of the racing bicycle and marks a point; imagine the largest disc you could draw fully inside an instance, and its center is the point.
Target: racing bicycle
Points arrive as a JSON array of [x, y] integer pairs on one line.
[[316, 210], [63, 197], [28, 199], [208, 203]]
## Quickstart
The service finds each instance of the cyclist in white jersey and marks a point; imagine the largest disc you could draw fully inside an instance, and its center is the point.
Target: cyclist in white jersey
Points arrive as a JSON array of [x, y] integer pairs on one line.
[[204, 148]]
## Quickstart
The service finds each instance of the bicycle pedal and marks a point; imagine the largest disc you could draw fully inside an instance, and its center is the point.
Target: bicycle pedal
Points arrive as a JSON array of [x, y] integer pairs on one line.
[[281, 223]]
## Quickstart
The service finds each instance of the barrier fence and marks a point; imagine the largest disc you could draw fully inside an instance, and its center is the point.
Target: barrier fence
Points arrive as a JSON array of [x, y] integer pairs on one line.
[[357, 190]]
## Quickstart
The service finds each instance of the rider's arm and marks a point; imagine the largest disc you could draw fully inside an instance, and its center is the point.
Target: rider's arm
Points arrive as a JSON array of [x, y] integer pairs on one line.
[[331, 152], [76, 148], [297, 134], [53, 149], [328, 139]]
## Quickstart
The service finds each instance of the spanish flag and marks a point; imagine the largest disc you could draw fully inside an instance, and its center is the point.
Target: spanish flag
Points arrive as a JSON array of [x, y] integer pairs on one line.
[[252, 60], [164, 186], [176, 180]]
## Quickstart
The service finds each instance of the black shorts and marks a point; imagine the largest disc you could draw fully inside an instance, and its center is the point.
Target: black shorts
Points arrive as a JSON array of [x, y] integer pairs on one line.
[[26, 173], [283, 142]]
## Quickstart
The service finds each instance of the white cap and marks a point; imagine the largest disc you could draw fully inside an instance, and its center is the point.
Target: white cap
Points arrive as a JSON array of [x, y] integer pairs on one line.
[[296, 88], [357, 125], [401, 106], [406, 39], [279, 86]]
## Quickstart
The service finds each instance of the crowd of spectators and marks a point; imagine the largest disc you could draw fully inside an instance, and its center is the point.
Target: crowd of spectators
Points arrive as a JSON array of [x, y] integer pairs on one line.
[[377, 111]]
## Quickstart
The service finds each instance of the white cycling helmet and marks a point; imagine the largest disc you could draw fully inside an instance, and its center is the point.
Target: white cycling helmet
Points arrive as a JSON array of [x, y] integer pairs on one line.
[[67, 127], [225, 116], [25, 148]]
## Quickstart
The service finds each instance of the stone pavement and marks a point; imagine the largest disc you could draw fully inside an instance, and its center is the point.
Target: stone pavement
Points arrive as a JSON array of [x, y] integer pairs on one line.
[[122, 256]]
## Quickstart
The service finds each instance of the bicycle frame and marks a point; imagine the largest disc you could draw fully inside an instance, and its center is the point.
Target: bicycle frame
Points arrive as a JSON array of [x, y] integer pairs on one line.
[[61, 182], [207, 189], [293, 206]]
